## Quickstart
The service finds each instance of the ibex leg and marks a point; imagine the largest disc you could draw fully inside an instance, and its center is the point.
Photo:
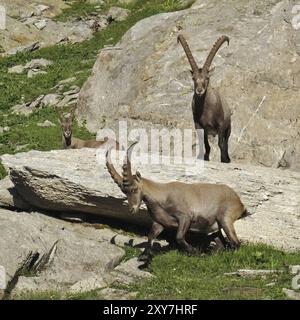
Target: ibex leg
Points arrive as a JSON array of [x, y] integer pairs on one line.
[[228, 228], [183, 226], [223, 145], [155, 231], [207, 146]]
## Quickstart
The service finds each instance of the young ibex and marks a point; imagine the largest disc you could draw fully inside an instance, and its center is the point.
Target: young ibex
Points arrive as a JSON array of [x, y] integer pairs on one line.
[[210, 111], [70, 142], [201, 207]]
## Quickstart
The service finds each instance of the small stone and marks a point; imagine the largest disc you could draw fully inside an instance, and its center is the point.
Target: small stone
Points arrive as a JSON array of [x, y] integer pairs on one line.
[[69, 80], [74, 90], [129, 272], [69, 99], [34, 72], [99, 2], [36, 103], [271, 284], [242, 291], [28, 48], [38, 64], [42, 7], [294, 269], [89, 284], [118, 14], [46, 124], [125, 1], [21, 147], [51, 99], [291, 294], [16, 69], [117, 294], [252, 273], [41, 24], [21, 109]]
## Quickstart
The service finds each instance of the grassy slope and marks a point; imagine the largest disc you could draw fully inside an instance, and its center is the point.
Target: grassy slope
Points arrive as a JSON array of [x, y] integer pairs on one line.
[[177, 276], [68, 60]]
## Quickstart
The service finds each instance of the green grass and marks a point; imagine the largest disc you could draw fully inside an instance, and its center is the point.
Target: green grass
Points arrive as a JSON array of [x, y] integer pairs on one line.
[[178, 276], [68, 61]]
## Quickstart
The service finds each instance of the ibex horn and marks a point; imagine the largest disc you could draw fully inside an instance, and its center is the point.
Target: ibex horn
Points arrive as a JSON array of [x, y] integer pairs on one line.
[[127, 173], [112, 171], [214, 51], [188, 53]]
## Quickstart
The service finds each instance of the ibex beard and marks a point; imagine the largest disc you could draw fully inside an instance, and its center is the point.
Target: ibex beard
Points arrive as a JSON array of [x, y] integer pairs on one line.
[[181, 206]]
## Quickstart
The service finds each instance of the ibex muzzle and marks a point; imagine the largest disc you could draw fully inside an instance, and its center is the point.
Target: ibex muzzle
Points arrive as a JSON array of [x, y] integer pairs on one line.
[[210, 110], [181, 206]]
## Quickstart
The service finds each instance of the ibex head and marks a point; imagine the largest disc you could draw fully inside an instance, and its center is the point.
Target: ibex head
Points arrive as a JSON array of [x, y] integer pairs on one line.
[[201, 75], [66, 122], [129, 184]]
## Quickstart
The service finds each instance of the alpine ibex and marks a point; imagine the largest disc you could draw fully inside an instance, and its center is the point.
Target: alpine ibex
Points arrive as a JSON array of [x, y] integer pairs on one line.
[[70, 142], [210, 111], [200, 207]]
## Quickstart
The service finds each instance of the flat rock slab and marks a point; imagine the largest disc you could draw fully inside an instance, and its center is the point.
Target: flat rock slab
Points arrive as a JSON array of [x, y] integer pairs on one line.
[[80, 255], [73, 180]]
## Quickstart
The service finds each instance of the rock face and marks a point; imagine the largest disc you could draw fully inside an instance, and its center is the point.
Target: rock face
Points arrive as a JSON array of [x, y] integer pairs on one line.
[[146, 81], [42, 254], [73, 180], [30, 26]]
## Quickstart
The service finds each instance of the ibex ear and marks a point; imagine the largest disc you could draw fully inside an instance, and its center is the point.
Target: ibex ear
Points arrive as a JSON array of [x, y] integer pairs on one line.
[[138, 176]]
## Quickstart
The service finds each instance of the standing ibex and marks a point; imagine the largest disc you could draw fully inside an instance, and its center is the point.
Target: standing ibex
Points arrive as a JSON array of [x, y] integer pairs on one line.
[[210, 111], [203, 207], [70, 142]]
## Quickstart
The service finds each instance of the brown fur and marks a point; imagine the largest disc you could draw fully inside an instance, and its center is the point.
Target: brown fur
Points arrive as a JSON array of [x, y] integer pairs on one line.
[[200, 206], [210, 111], [70, 142]]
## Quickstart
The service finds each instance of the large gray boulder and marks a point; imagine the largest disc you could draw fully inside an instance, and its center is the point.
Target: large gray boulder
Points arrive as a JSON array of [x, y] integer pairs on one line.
[[145, 78], [40, 253], [74, 180], [71, 253]]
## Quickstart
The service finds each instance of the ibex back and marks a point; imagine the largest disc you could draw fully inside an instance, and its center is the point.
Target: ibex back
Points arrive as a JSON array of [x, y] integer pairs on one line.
[[210, 111], [204, 207]]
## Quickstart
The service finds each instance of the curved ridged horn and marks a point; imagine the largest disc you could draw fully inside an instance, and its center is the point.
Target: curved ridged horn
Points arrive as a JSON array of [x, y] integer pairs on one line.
[[188, 53], [214, 51], [127, 173], [112, 171]]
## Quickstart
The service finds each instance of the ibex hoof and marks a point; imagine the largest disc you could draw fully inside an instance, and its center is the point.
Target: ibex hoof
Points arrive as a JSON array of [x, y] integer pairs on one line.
[[145, 257], [227, 160]]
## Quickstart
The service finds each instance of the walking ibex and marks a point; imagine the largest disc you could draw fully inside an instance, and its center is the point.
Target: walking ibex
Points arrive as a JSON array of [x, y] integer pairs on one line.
[[210, 111], [201, 207], [70, 142]]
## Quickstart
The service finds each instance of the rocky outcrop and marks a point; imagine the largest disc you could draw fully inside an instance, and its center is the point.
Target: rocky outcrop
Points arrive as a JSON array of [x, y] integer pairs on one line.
[[42, 254], [146, 80], [30, 26], [74, 180]]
